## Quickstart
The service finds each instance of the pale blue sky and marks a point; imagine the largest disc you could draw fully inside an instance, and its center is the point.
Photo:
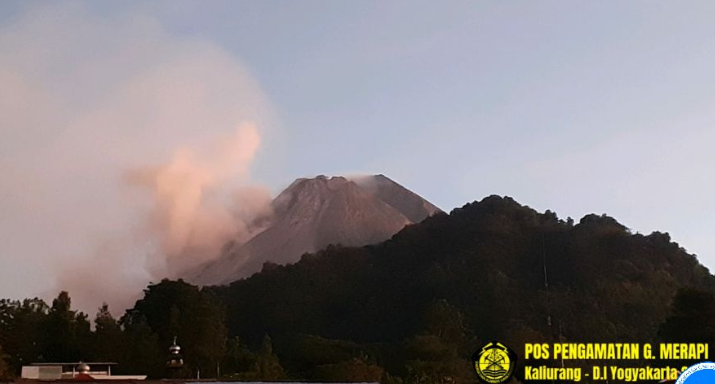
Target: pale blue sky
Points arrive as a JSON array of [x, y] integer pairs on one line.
[[573, 106]]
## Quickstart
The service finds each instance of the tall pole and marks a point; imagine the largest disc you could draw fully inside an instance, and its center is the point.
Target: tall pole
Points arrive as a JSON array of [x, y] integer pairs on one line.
[[546, 282]]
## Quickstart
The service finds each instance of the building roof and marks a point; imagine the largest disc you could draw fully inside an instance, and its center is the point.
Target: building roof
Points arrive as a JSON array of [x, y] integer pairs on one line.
[[75, 363]]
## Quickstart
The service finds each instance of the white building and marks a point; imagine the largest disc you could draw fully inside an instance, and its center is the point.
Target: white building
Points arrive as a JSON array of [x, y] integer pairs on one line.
[[71, 371]]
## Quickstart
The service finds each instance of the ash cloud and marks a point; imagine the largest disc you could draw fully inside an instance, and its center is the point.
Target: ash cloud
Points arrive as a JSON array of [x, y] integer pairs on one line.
[[193, 214], [125, 154]]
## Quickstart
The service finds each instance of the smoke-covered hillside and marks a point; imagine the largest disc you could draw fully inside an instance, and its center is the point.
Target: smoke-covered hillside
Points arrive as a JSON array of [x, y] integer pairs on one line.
[[313, 213]]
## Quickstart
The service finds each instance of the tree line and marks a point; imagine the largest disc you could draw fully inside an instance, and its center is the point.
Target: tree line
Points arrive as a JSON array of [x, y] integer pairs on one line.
[[32, 331], [410, 310]]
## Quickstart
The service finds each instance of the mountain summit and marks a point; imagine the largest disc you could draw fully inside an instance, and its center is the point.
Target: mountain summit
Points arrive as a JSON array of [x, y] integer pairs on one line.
[[314, 213]]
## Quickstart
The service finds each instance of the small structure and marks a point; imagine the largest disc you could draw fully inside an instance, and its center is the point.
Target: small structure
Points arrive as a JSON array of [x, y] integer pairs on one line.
[[174, 362], [89, 371]]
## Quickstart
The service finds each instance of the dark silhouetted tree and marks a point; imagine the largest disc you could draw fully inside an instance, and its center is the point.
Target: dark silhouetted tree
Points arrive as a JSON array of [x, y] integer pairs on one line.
[[21, 331], [690, 320], [109, 342], [5, 370], [176, 308], [67, 333], [143, 353], [267, 366]]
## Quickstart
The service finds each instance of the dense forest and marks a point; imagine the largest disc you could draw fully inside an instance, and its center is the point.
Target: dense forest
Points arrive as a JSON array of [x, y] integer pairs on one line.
[[410, 310]]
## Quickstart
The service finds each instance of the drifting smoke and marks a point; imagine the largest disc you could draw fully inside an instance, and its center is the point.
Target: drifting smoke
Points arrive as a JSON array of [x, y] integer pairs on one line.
[[124, 154], [193, 213]]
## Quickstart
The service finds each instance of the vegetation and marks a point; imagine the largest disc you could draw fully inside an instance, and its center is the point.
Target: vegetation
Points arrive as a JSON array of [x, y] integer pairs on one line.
[[690, 320], [4, 369], [410, 310]]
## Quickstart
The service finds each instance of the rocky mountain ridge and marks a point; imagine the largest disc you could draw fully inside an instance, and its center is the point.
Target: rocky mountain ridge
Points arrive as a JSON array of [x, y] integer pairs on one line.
[[313, 213]]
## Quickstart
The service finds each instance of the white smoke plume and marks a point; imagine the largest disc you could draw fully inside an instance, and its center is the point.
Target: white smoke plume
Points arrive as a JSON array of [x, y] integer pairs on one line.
[[125, 153], [193, 212]]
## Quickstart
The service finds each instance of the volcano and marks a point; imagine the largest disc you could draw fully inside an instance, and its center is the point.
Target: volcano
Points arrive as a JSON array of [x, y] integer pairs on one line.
[[313, 213]]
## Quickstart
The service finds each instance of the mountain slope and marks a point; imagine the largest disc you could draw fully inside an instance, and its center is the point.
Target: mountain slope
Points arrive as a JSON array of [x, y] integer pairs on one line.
[[411, 205], [313, 213]]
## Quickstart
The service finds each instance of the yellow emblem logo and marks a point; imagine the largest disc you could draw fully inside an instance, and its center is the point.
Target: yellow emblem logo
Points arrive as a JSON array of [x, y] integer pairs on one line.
[[494, 363]]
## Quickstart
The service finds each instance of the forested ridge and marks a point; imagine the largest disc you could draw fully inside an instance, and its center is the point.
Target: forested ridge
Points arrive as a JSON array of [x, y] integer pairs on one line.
[[412, 309]]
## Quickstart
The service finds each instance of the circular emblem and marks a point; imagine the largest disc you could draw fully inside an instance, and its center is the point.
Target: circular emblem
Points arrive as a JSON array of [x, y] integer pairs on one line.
[[698, 373], [494, 363]]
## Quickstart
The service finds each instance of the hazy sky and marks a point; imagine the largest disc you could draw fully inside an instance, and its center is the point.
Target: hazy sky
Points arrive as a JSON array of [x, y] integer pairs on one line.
[[574, 106]]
